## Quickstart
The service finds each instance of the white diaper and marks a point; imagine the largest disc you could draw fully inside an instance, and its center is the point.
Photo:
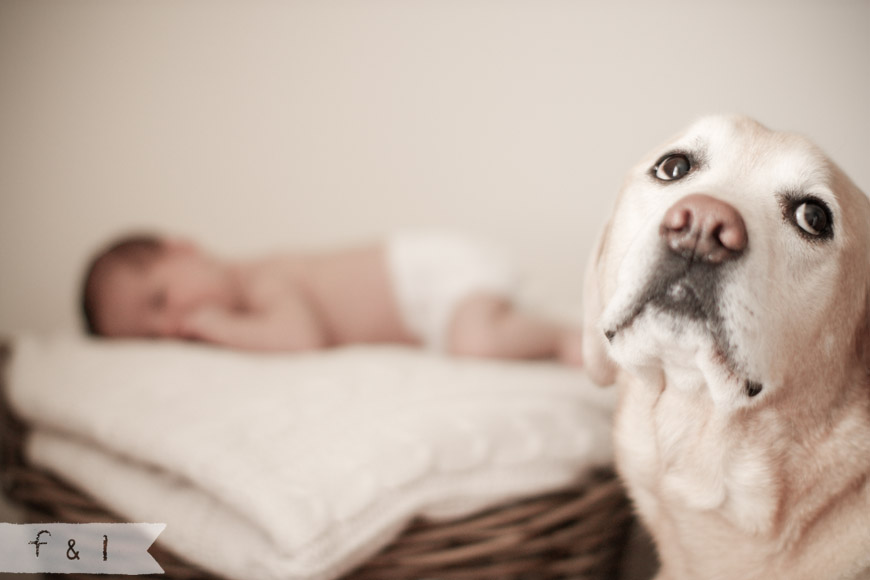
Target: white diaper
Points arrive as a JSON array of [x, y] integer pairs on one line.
[[433, 271]]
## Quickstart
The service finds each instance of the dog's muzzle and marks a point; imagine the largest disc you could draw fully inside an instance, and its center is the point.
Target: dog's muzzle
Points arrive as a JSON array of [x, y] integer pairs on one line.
[[700, 236]]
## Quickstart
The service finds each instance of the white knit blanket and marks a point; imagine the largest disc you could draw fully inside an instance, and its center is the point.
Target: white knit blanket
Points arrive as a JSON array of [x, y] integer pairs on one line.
[[299, 466]]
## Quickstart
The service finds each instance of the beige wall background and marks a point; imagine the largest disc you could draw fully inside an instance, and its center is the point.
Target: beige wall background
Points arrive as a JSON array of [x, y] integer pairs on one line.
[[250, 126]]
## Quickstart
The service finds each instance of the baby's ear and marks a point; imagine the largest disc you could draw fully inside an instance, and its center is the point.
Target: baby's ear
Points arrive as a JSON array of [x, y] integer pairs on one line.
[[596, 361]]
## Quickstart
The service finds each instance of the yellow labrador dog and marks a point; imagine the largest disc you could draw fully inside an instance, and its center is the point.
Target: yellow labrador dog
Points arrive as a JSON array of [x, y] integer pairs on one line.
[[728, 297]]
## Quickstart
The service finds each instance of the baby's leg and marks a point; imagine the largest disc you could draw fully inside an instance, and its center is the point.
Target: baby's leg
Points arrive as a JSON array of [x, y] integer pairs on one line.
[[487, 325]]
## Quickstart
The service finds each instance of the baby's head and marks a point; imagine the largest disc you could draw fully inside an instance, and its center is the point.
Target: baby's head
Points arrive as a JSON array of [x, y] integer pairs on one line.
[[145, 285]]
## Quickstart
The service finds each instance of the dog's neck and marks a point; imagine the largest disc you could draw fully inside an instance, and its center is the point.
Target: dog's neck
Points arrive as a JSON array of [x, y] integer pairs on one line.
[[707, 456]]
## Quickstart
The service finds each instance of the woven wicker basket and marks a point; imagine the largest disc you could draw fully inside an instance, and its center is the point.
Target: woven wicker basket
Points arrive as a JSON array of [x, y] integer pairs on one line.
[[577, 533]]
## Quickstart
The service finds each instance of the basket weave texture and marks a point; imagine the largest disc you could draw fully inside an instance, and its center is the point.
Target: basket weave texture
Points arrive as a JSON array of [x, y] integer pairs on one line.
[[576, 533]]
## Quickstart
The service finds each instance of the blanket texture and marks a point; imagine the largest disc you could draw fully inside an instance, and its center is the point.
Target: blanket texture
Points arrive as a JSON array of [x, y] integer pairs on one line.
[[299, 466]]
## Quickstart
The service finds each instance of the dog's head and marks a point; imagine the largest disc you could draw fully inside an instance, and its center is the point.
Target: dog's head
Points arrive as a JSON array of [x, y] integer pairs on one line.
[[737, 260]]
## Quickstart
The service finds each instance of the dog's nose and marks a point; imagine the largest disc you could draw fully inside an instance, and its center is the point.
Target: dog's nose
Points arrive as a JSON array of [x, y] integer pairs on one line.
[[704, 228]]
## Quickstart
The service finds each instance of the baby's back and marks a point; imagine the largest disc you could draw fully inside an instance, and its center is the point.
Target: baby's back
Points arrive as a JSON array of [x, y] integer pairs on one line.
[[349, 291]]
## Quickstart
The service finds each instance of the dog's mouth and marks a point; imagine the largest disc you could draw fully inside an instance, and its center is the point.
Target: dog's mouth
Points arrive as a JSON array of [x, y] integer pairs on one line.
[[689, 293]]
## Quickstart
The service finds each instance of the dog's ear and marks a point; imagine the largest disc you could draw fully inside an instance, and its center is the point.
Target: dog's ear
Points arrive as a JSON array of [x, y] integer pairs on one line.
[[596, 361]]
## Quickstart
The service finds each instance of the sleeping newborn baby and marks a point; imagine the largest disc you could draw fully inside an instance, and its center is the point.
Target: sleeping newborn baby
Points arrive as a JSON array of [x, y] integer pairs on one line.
[[438, 290]]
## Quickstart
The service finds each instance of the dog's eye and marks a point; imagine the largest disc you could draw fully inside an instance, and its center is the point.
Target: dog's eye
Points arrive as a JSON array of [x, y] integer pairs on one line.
[[672, 167], [811, 218]]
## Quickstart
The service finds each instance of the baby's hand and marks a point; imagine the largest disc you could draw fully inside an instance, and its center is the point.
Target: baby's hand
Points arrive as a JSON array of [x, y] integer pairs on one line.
[[203, 323]]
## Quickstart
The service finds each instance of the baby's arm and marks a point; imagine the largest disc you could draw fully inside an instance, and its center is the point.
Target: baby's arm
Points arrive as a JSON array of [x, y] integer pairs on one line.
[[290, 325]]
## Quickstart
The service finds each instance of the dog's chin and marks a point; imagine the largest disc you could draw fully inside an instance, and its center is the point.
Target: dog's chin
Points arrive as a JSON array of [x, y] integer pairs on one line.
[[673, 341], [658, 337]]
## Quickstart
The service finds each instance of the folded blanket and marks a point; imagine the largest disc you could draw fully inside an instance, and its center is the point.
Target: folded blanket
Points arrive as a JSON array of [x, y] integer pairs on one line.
[[299, 465]]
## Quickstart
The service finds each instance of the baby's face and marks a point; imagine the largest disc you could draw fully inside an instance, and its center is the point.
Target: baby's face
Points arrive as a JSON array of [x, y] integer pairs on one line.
[[153, 300]]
